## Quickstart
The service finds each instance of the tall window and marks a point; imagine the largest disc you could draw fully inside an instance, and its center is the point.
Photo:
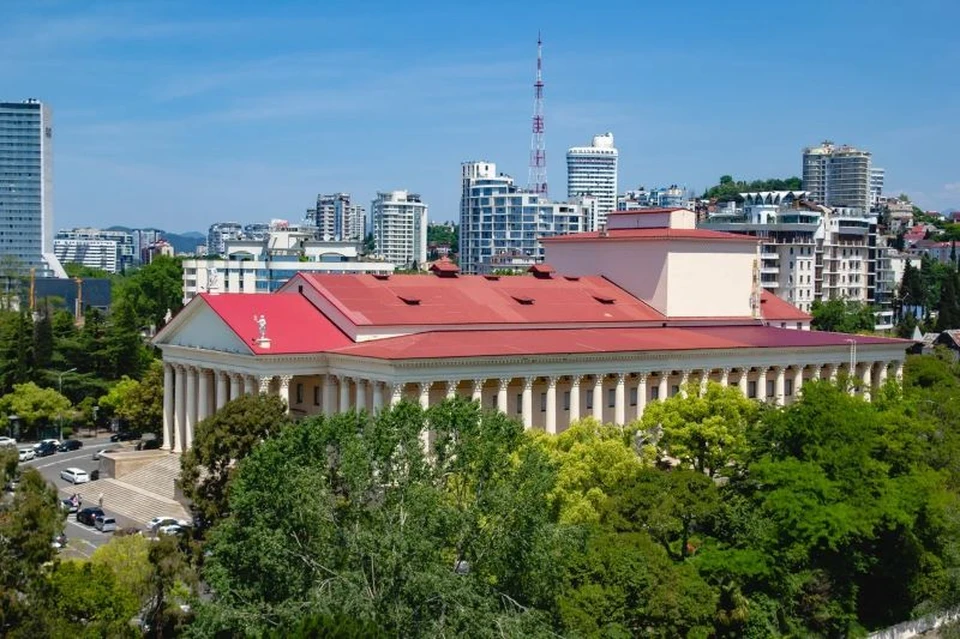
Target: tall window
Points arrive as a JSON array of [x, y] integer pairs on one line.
[[299, 393]]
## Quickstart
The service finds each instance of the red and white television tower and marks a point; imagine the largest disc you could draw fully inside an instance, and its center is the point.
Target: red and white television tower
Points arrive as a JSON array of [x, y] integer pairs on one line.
[[537, 181]]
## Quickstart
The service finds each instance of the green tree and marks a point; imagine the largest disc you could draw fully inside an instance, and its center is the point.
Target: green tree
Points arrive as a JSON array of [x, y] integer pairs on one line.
[[221, 440], [128, 558], [706, 432], [87, 600], [841, 316], [43, 339], [123, 344], [153, 289], [34, 405], [948, 310], [172, 584]]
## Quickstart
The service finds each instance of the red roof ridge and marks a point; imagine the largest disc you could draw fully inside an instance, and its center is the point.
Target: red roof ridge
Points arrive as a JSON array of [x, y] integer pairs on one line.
[[649, 211], [651, 234]]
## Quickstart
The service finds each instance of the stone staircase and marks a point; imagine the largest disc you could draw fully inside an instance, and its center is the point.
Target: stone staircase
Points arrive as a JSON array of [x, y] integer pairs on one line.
[[138, 496]]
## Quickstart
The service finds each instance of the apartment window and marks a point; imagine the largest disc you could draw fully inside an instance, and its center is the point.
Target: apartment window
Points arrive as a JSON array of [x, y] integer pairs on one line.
[[316, 395], [611, 397], [752, 390], [589, 401], [791, 250], [566, 400], [633, 396], [543, 402], [299, 393]]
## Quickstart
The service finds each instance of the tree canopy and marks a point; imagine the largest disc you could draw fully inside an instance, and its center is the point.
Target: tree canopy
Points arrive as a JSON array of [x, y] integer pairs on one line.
[[842, 316], [729, 189]]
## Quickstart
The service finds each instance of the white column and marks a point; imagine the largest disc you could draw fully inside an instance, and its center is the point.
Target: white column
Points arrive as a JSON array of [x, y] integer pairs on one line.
[[641, 394], [551, 421], [780, 385], [744, 381], [396, 394], [798, 382], [704, 378], [191, 416], [263, 384], [724, 377], [527, 402], [833, 368], [223, 391], [619, 401], [425, 395], [452, 388], [377, 396], [882, 373], [898, 371], [762, 383], [344, 383], [663, 387], [868, 381], [684, 380], [236, 385], [361, 391], [502, 394], [574, 398], [283, 389], [168, 406], [203, 400], [180, 409], [329, 396], [249, 385], [598, 398], [477, 394]]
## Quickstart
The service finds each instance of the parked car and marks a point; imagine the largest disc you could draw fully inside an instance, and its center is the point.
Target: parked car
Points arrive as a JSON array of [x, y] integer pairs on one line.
[[26, 454], [172, 529], [149, 444], [46, 448], [8, 441], [69, 505], [89, 515], [98, 453], [157, 523], [70, 444], [124, 436], [55, 442], [75, 475], [105, 524]]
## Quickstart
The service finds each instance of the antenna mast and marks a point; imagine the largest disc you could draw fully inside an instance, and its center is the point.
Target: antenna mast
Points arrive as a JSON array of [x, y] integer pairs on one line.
[[537, 181]]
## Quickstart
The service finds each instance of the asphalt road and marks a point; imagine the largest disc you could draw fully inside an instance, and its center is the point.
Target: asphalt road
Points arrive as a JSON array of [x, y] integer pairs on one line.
[[81, 540]]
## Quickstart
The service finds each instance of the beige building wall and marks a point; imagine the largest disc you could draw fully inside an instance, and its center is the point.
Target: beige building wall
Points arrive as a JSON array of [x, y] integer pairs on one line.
[[712, 279]]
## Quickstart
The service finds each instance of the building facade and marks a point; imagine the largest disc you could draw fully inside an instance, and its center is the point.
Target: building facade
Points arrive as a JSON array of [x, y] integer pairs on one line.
[[838, 176], [498, 217], [112, 251], [877, 177], [809, 252], [26, 187], [399, 221], [648, 308], [265, 264], [592, 172], [220, 233], [337, 218]]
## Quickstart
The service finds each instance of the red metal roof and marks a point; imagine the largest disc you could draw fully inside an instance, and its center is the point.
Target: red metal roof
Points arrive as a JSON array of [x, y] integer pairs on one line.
[[487, 343], [651, 234], [647, 211], [772, 308], [474, 299], [294, 325]]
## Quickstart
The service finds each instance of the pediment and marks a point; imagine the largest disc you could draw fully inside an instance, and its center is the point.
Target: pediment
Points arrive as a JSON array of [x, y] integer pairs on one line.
[[199, 326]]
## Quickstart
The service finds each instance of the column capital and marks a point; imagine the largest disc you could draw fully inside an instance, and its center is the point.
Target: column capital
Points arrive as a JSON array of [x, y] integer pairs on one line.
[[575, 380], [621, 377], [424, 385], [264, 383], [552, 382], [504, 382], [528, 382], [478, 385], [642, 377], [285, 379], [452, 384], [598, 378]]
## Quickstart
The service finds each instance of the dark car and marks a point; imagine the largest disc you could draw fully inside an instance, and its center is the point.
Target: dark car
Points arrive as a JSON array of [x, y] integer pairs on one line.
[[124, 436], [149, 444], [89, 515], [46, 449], [70, 444]]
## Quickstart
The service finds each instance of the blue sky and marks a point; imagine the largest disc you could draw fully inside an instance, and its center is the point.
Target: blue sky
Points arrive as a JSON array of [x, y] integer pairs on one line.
[[177, 113]]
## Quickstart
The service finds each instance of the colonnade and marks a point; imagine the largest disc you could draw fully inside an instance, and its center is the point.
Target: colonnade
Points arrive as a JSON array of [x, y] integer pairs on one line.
[[193, 393]]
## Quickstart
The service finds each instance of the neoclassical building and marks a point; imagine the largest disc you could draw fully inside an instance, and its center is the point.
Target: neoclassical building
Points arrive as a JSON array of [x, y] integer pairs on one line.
[[618, 319]]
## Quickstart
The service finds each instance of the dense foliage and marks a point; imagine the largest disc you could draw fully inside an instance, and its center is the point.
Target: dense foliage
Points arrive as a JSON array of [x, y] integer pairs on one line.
[[842, 316]]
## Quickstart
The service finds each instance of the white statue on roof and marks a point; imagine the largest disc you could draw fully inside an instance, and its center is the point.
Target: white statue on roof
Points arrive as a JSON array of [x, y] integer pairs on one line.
[[261, 325], [168, 316]]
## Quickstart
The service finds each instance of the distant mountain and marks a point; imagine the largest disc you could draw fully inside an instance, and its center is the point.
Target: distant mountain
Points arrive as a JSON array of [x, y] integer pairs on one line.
[[181, 242]]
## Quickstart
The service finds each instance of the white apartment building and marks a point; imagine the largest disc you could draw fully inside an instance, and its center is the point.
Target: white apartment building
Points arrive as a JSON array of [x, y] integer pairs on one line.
[[264, 265], [877, 177], [111, 251], [808, 252], [496, 217], [399, 220], [220, 233], [838, 176], [337, 218], [592, 171]]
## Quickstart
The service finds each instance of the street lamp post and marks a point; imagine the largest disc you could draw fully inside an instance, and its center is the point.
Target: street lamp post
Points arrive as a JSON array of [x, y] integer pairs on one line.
[[60, 390]]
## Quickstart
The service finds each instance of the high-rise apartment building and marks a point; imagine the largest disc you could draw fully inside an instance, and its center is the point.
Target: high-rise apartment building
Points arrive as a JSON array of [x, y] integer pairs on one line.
[[399, 220], [112, 251], [26, 187], [220, 233], [337, 218], [592, 171], [499, 218], [837, 176], [877, 176]]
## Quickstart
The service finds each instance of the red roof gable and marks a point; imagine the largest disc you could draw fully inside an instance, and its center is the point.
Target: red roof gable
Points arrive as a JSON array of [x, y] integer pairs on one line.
[[474, 299], [652, 234], [660, 210], [772, 308], [447, 344], [294, 325]]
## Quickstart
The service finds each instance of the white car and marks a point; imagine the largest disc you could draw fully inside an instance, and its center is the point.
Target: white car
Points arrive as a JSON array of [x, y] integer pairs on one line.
[[8, 441], [157, 523], [172, 529], [105, 524], [26, 454], [74, 475]]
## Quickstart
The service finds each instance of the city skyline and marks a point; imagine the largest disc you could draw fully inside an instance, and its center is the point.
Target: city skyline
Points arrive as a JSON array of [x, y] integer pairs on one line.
[[189, 115]]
